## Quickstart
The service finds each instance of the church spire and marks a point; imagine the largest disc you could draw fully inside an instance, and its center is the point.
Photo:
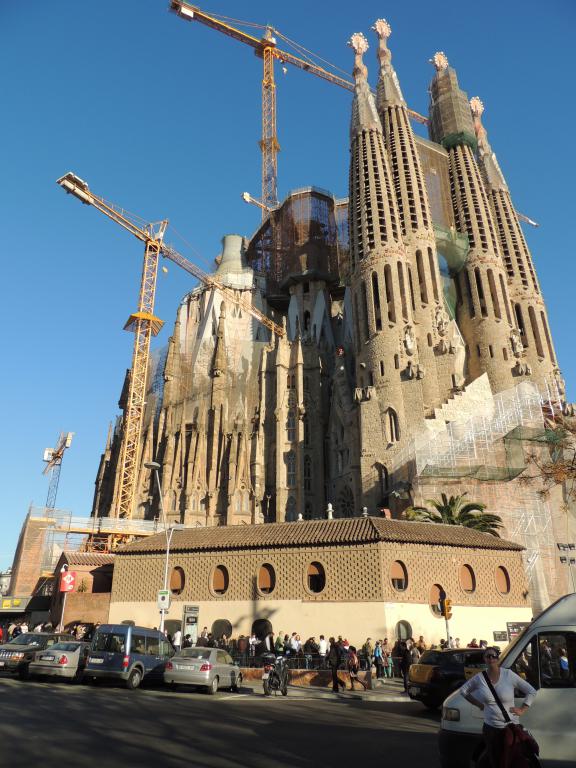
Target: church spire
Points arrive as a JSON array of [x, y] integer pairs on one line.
[[364, 112], [388, 91], [483, 311], [220, 363], [527, 302]]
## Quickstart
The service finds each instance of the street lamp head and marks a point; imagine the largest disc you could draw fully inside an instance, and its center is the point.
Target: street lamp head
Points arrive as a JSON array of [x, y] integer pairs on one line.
[[152, 465]]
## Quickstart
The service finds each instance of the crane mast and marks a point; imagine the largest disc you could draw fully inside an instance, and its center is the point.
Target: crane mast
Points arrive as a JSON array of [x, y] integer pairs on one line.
[[145, 324], [267, 50]]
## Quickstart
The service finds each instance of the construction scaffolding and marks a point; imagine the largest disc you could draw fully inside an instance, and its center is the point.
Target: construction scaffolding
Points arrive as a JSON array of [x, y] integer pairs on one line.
[[476, 444], [65, 532]]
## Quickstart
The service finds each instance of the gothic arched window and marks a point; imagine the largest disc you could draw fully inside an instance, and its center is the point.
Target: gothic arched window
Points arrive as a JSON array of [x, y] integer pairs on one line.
[[291, 469], [307, 474], [290, 516], [393, 426], [291, 426]]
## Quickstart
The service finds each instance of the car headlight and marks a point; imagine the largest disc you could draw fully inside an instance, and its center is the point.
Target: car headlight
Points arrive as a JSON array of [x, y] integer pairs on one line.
[[17, 656], [450, 713]]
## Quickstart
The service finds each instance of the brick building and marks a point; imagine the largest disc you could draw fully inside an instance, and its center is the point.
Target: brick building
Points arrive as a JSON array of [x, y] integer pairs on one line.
[[355, 577]]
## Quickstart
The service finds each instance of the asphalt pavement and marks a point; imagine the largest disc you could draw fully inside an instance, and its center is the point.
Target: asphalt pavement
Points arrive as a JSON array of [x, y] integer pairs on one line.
[[57, 724]]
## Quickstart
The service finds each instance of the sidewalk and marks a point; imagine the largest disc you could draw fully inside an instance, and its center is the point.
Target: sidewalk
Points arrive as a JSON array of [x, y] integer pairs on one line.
[[384, 690]]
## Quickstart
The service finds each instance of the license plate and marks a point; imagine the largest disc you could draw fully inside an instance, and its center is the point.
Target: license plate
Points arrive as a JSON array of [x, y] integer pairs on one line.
[[414, 689], [265, 675], [46, 658], [96, 661], [2, 663]]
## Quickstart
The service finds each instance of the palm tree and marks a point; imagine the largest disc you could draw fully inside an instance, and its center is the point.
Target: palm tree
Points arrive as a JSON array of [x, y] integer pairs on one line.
[[454, 511]]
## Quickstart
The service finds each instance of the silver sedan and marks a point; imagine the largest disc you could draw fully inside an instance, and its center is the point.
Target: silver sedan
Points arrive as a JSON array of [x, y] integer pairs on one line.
[[65, 659], [210, 668]]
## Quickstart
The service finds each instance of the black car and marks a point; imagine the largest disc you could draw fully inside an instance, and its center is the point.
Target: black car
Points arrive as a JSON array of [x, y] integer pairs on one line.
[[438, 673], [16, 655]]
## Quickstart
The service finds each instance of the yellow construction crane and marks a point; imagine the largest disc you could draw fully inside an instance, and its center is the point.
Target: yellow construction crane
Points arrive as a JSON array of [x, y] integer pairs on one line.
[[145, 324], [265, 47]]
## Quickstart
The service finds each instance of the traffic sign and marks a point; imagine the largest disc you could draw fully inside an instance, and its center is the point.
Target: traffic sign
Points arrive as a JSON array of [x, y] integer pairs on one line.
[[163, 599], [67, 581]]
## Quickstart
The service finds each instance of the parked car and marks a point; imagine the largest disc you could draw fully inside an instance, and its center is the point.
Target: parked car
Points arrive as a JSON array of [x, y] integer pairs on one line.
[[544, 653], [210, 668], [438, 673], [65, 659], [127, 653], [16, 655]]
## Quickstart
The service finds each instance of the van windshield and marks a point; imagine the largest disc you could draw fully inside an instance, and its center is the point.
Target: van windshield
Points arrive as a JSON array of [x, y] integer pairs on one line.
[[109, 641]]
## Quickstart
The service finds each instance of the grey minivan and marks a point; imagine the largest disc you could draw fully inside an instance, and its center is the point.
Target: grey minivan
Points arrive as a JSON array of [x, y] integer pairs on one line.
[[127, 653]]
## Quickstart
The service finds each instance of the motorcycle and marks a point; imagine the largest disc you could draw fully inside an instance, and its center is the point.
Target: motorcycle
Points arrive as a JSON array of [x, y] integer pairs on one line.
[[274, 674]]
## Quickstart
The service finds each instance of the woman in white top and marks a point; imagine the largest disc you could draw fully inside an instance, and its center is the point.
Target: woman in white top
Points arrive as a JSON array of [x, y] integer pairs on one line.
[[505, 682]]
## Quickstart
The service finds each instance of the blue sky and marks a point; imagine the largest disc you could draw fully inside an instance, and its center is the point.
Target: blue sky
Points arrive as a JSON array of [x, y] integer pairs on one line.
[[163, 117]]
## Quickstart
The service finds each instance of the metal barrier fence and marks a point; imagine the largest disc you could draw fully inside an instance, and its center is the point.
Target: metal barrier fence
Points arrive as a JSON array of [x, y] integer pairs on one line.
[[301, 661]]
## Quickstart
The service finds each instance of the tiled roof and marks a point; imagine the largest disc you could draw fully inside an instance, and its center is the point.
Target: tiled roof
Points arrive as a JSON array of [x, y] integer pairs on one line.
[[353, 530], [88, 558]]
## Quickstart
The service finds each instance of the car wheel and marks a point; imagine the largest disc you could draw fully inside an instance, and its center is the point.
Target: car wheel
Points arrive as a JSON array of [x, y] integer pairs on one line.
[[236, 687], [24, 673], [213, 687], [285, 691], [134, 679]]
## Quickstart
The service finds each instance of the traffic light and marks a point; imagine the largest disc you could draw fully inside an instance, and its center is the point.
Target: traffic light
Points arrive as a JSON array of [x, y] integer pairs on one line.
[[446, 607]]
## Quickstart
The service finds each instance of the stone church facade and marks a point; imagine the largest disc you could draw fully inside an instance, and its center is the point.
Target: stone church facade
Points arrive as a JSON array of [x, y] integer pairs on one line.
[[393, 302]]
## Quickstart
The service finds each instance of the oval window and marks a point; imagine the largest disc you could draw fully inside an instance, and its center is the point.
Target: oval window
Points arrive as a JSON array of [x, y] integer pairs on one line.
[[220, 580], [436, 594], [467, 579], [316, 577], [177, 581], [266, 579], [399, 576], [502, 580]]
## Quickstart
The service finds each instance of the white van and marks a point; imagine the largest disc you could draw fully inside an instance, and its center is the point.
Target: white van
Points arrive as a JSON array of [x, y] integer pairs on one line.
[[545, 655]]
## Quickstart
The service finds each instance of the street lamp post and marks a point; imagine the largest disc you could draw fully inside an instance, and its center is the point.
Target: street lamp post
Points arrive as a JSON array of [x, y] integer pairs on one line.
[[168, 531], [569, 560]]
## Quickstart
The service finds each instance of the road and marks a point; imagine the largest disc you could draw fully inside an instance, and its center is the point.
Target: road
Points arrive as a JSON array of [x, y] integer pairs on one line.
[[56, 725]]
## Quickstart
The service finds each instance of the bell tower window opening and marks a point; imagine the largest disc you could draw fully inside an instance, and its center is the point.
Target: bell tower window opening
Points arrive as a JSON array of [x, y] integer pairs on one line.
[[307, 474], [494, 294], [364, 300], [291, 426], [480, 289], [402, 290], [389, 293], [433, 273], [421, 278], [376, 302], [536, 331]]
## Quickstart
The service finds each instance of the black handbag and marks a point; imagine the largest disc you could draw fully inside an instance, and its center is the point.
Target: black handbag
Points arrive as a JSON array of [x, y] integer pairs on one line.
[[519, 739]]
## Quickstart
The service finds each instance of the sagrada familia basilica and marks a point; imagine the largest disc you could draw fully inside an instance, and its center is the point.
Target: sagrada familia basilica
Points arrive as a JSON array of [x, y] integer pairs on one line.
[[417, 354]]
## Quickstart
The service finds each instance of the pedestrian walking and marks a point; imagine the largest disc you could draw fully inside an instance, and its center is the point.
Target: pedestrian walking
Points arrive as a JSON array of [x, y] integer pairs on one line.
[[492, 692], [354, 668], [368, 652], [405, 660], [387, 661], [334, 661], [279, 644], [323, 648], [378, 660], [177, 640]]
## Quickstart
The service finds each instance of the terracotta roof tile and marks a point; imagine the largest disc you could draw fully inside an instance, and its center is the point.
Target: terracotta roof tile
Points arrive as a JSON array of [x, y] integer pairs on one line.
[[89, 558], [355, 530]]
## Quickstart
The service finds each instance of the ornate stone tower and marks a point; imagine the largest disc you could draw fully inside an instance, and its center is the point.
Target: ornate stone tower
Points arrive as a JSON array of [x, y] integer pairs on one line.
[[484, 310], [388, 370], [424, 284], [528, 306]]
